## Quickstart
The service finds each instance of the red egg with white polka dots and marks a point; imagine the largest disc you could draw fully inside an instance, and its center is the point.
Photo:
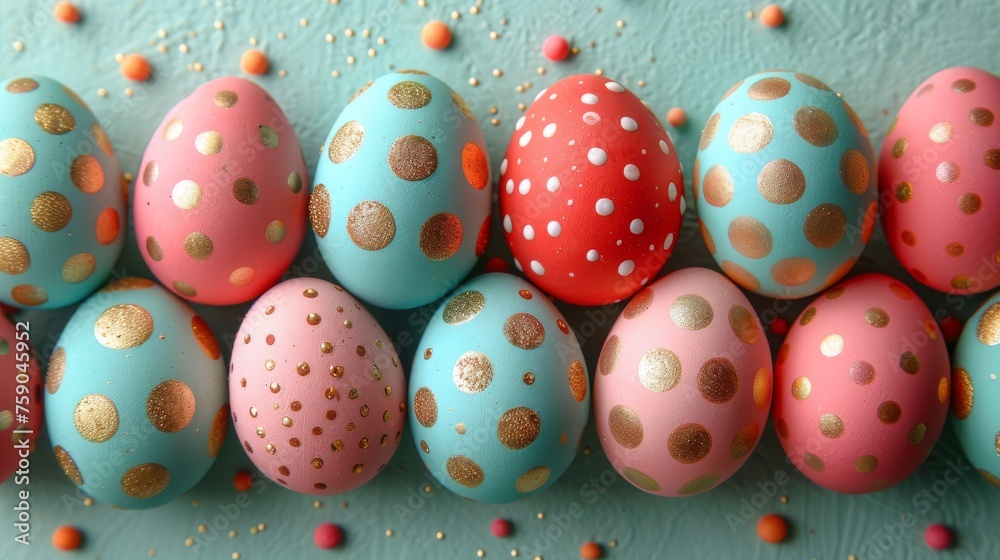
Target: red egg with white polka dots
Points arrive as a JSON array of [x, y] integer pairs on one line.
[[939, 174], [591, 192]]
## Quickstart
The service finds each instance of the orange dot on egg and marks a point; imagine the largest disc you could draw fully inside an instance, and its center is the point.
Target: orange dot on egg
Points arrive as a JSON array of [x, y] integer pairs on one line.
[[676, 117], [436, 35], [772, 528], [135, 67], [67, 537], [66, 12], [242, 481], [254, 61], [591, 551], [772, 16]]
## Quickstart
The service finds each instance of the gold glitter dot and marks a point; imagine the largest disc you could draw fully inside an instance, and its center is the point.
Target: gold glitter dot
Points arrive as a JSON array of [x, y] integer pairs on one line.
[[371, 225], [464, 471], [659, 370], [831, 425], [86, 174], [441, 236], [780, 181], [533, 479], [413, 158], [145, 480], [198, 246], [518, 427], [96, 418], [473, 372], [409, 95], [319, 210], [524, 331], [751, 133], [718, 380], [641, 479], [963, 394], [170, 406], [813, 462], [744, 441], [346, 142], [909, 362], [267, 136], [689, 443], [425, 407], [769, 89], [750, 237], [123, 326], [208, 143], [54, 119], [463, 307], [68, 465], [916, 434], [625, 426], [691, 312], [865, 464], [801, 388]]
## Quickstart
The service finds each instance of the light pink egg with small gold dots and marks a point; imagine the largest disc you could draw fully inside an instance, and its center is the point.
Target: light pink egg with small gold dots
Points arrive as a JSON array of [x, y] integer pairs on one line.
[[316, 388], [220, 211], [861, 385], [939, 177], [684, 384]]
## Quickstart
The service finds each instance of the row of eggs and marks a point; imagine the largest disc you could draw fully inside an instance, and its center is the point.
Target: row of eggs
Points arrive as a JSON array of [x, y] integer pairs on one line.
[[137, 404]]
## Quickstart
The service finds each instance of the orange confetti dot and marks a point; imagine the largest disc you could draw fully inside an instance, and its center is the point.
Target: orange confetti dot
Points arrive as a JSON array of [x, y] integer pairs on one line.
[[66, 12], [772, 16], [676, 117], [591, 551], [67, 537], [772, 528], [254, 62], [135, 67], [436, 35], [242, 481]]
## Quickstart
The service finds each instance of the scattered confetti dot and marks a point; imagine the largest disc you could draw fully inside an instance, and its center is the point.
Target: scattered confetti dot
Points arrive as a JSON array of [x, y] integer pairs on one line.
[[440, 536], [772, 528], [938, 537], [555, 48], [67, 537], [242, 481], [327, 535], [591, 551], [66, 12], [676, 117], [779, 326], [500, 528], [436, 35], [772, 16], [254, 61], [135, 67], [388, 532]]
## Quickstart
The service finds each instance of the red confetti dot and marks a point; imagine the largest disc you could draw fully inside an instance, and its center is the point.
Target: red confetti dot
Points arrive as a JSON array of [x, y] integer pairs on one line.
[[436, 35], [555, 48], [254, 62], [500, 527], [327, 535], [135, 67], [950, 328], [779, 326], [66, 12], [772, 528], [676, 117], [497, 264], [591, 551], [938, 537], [67, 537], [242, 481], [772, 16]]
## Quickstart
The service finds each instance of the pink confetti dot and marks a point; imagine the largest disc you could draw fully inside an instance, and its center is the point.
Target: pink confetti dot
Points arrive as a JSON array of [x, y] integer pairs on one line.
[[555, 48], [327, 535], [938, 536], [500, 528]]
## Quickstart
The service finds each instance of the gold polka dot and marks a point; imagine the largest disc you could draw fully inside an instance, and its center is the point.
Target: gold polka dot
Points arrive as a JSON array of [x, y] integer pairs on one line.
[[208, 143], [473, 372], [707, 236], [762, 388], [854, 171], [811, 82], [750, 237], [463, 307], [750, 133], [947, 172], [21, 85], [940, 133], [862, 372], [361, 90], [462, 106], [793, 271], [294, 182], [744, 441], [173, 129], [963, 85], [625, 426], [641, 479], [518, 427], [425, 407], [904, 191], [102, 140], [731, 90], [916, 434], [962, 397], [954, 249], [865, 464], [441, 236], [413, 158], [170, 406], [370, 225], [54, 119], [831, 345], [691, 312], [689, 443], [198, 246], [577, 380], [29, 295], [267, 136], [245, 191], [988, 326], [87, 174], [813, 462], [708, 134], [145, 480], [203, 335], [769, 89], [781, 182], [718, 381], [16, 157], [740, 275], [717, 186], [659, 370], [991, 157], [56, 370], [825, 225], [609, 355], [743, 324], [969, 203], [889, 412], [153, 249], [319, 210], [68, 465], [944, 390], [831, 426], [346, 142], [107, 226], [275, 231], [877, 317], [807, 316], [815, 126], [963, 282], [96, 418], [801, 388], [14, 257], [225, 98], [909, 362], [78, 268], [638, 304], [186, 195], [533, 479], [698, 485], [123, 326], [524, 331], [899, 148], [242, 276], [409, 95]]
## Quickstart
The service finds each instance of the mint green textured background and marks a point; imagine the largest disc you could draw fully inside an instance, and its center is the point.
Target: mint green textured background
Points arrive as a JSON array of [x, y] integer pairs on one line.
[[687, 54]]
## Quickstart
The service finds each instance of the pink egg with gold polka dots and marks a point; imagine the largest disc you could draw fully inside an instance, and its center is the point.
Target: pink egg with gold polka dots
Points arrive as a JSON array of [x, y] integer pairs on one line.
[[316, 388], [684, 384], [220, 211], [939, 177], [861, 385]]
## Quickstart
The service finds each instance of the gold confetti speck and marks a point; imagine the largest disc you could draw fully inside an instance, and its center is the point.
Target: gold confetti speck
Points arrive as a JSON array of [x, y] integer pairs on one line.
[[439, 535]]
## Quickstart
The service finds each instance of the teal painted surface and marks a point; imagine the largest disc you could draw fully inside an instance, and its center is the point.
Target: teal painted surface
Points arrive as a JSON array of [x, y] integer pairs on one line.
[[875, 53]]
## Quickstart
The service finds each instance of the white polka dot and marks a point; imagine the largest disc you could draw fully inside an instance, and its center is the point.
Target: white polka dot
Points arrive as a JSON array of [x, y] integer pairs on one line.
[[503, 166], [509, 186], [541, 93], [525, 138], [668, 242], [597, 156], [684, 205], [520, 122], [537, 268], [664, 148], [626, 268], [592, 255], [507, 225], [524, 186], [569, 202], [529, 232], [631, 172], [589, 99], [591, 118], [553, 96], [554, 228], [517, 264], [636, 226], [618, 243], [672, 192], [652, 247], [571, 275], [644, 280], [615, 87], [552, 184], [605, 207], [549, 130], [629, 124]]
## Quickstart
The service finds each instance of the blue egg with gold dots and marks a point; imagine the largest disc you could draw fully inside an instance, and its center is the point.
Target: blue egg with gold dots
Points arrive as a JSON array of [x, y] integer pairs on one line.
[[784, 184]]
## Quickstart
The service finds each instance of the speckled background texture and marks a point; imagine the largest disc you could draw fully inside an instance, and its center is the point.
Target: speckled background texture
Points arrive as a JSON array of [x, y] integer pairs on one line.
[[669, 53]]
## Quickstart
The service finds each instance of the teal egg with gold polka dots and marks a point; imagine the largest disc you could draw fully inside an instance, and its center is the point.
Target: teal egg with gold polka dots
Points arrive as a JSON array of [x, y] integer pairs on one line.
[[784, 184]]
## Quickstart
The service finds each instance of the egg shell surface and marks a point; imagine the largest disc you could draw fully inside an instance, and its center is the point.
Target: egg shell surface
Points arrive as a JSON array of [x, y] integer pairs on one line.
[[21, 385]]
